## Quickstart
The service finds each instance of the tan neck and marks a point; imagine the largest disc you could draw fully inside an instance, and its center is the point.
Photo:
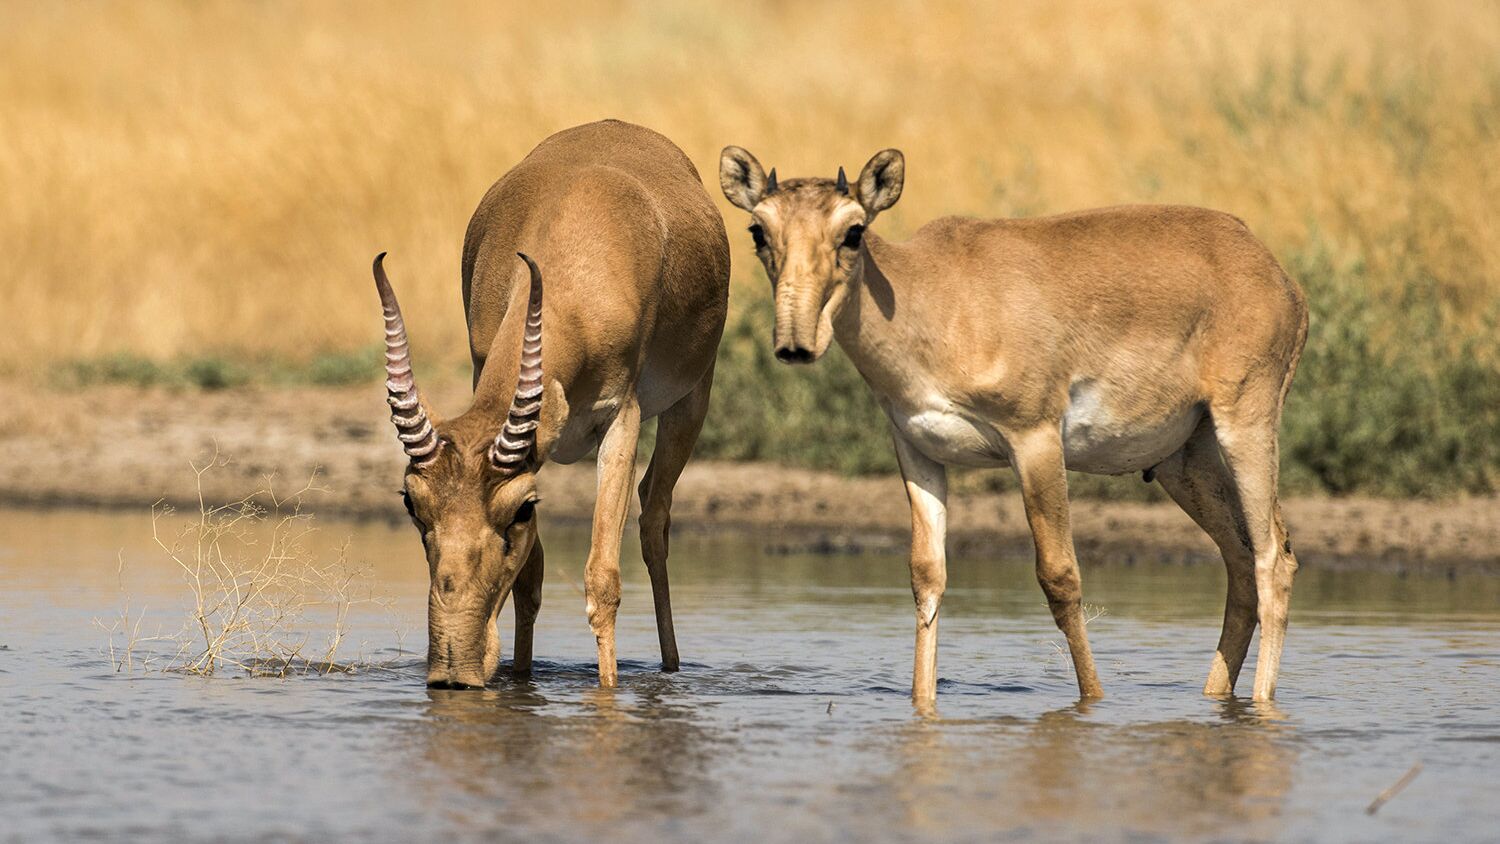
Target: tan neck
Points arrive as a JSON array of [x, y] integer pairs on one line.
[[870, 328]]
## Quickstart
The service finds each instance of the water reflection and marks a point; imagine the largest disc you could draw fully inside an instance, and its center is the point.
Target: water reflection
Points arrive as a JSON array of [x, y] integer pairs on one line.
[[1071, 767], [597, 756], [531, 755]]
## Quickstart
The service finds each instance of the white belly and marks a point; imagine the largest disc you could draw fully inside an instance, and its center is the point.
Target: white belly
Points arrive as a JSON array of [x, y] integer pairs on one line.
[[1102, 439], [1098, 437]]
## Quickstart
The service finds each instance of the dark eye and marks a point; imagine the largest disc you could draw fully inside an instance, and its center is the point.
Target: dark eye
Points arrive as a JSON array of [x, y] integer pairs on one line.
[[758, 235], [852, 237], [412, 511], [524, 513]]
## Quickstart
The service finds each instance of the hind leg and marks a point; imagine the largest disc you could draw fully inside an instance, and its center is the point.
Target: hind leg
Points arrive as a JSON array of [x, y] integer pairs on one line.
[[676, 434], [1197, 479], [1247, 440]]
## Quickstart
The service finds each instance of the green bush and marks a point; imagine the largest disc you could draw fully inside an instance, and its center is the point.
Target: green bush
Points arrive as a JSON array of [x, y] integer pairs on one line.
[[337, 369], [214, 373], [121, 368], [1391, 398]]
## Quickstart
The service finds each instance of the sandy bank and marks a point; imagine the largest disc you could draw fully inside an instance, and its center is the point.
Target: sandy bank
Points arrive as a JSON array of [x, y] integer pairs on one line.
[[122, 447]]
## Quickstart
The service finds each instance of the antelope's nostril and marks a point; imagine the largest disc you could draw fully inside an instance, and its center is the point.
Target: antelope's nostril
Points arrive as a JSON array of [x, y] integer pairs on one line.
[[794, 354]]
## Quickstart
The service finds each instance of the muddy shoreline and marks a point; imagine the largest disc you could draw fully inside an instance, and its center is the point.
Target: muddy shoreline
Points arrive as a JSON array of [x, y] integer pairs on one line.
[[125, 448]]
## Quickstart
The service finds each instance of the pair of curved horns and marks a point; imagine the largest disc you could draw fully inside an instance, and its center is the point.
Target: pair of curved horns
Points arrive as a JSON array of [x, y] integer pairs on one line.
[[842, 186], [414, 429]]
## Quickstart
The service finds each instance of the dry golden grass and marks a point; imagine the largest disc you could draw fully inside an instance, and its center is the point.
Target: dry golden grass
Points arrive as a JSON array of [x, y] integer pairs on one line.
[[180, 178]]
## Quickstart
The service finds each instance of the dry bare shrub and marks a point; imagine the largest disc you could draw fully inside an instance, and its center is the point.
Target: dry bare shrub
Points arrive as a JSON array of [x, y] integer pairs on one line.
[[261, 601]]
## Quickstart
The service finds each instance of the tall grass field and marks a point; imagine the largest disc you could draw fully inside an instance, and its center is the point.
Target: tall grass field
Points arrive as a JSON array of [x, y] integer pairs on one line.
[[192, 192]]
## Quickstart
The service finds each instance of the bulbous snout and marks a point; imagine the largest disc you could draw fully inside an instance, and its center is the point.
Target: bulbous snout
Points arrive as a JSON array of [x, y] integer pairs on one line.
[[449, 667], [463, 644], [809, 293], [804, 322], [802, 331]]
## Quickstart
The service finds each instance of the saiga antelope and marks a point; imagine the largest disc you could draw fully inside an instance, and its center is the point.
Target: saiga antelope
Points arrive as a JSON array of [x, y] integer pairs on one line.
[[625, 328], [1136, 339]]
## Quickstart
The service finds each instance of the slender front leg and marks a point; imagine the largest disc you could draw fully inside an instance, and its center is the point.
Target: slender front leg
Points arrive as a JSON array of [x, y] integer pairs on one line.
[[927, 490], [1038, 459], [601, 575], [527, 594]]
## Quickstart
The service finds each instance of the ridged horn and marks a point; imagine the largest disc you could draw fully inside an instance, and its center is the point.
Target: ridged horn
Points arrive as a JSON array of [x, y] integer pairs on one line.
[[413, 428], [518, 435], [771, 182], [843, 183]]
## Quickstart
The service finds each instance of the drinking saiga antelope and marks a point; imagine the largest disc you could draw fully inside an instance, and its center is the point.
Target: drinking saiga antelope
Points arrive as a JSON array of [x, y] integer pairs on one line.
[[1149, 339], [625, 327]]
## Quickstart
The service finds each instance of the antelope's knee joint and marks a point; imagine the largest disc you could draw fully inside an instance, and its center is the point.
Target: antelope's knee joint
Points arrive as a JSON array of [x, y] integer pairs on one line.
[[927, 608], [607, 596], [1290, 562], [602, 607], [603, 594], [655, 521], [928, 564], [928, 574], [1062, 586], [930, 587], [528, 601]]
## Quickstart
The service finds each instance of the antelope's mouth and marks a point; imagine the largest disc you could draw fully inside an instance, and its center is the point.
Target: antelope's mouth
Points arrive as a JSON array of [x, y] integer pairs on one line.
[[453, 685]]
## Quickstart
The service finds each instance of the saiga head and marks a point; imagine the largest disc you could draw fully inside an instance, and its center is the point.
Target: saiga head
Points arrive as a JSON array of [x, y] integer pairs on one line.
[[471, 493], [809, 235]]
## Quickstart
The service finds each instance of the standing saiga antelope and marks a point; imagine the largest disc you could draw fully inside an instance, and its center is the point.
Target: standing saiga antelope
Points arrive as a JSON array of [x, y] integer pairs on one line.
[[1136, 339], [624, 329]]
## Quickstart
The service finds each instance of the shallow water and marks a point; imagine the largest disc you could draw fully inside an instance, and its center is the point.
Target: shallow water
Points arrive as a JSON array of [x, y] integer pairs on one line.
[[789, 720]]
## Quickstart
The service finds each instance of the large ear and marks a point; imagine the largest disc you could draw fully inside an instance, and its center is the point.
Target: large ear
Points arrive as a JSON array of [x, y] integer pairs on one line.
[[881, 180], [741, 177]]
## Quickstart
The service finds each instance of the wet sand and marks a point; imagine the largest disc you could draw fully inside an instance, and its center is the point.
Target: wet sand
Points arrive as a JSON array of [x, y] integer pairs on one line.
[[120, 447]]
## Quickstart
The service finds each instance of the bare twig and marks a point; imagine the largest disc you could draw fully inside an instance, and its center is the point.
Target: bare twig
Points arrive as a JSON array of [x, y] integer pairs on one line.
[[1091, 613], [1396, 788]]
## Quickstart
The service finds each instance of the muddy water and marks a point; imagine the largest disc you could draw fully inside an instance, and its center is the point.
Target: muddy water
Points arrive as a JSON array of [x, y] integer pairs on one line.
[[789, 720]]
